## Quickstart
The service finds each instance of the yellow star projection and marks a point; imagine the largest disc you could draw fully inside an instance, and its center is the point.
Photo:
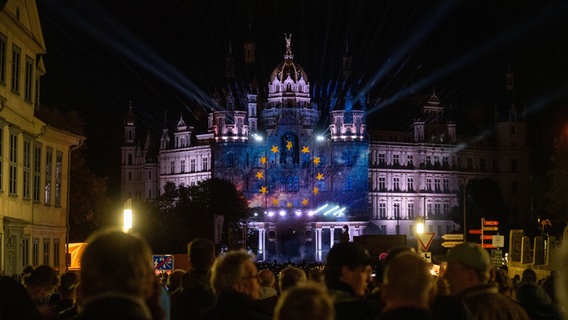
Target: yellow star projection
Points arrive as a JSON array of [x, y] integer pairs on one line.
[[319, 176], [274, 202], [259, 175], [274, 149], [305, 202], [262, 160], [289, 204], [263, 189], [316, 190], [305, 149], [288, 144], [317, 161]]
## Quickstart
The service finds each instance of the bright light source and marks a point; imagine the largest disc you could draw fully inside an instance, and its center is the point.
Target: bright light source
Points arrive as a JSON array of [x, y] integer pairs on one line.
[[270, 213], [282, 213], [320, 138], [127, 215], [256, 214], [321, 208], [420, 227], [330, 210], [257, 137], [127, 220], [298, 213], [310, 213]]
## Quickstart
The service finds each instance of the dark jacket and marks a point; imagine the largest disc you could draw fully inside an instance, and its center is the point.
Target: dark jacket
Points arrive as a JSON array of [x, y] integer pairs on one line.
[[194, 296], [348, 305], [537, 302], [114, 307], [15, 303], [486, 303], [235, 306]]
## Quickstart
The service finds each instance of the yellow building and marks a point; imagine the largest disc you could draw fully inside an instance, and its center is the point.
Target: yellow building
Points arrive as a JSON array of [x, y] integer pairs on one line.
[[34, 156]]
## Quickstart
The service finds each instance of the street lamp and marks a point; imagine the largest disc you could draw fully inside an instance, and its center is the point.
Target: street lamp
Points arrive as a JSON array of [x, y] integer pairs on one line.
[[420, 226], [464, 209], [127, 224], [419, 231]]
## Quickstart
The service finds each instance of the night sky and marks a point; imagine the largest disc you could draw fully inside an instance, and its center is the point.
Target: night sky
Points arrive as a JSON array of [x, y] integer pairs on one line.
[[166, 55]]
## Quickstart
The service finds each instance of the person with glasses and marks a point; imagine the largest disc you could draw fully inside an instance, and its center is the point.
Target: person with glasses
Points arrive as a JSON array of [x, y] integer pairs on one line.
[[347, 276], [236, 285]]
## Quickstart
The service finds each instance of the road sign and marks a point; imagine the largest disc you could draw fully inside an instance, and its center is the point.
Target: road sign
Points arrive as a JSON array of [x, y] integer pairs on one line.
[[498, 241], [490, 228], [451, 244], [496, 257], [163, 262], [490, 223], [474, 231], [425, 239], [427, 256], [453, 236]]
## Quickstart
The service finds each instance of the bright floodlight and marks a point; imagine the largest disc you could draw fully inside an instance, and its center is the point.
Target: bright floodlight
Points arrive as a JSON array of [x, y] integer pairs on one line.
[[127, 215], [298, 213], [282, 213], [257, 137], [127, 220], [420, 227], [310, 213], [320, 138], [270, 213]]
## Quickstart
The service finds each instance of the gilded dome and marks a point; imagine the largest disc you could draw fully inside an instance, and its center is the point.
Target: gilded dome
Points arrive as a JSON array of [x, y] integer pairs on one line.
[[289, 68]]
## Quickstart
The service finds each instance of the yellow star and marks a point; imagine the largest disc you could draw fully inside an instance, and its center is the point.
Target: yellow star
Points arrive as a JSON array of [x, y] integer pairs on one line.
[[289, 204], [262, 160], [274, 149], [316, 190], [275, 202], [305, 149], [288, 144], [317, 160], [259, 175], [305, 202], [263, 189], [319, 176]]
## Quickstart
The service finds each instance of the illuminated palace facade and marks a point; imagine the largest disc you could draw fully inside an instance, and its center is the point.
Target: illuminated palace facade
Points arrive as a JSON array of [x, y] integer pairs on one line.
[[34, 154], [308, 187]]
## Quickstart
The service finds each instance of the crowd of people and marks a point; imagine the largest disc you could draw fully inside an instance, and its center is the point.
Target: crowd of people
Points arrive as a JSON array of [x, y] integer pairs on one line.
[[117, 281]]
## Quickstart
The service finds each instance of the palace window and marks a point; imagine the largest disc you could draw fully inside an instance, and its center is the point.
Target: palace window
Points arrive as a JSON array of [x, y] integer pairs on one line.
[[12, 183], [382, 210], [396, 184], [411, 211], [59, 177], [382, 160], [29, 79], [16, 56], [27, 169], [3, 58], [37, 172], [395, 160], [409, 161], [382, 184], [48, 175]]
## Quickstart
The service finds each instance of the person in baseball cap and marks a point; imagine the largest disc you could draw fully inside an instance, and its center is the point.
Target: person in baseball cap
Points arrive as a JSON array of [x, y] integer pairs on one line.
[[469, 274], [470, 254]]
